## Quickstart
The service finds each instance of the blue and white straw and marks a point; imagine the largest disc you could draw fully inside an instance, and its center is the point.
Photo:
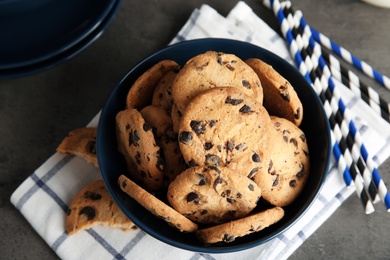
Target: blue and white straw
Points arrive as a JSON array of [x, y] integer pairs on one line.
[[347, 127], [310, 60], [351, 59], [294, 50]]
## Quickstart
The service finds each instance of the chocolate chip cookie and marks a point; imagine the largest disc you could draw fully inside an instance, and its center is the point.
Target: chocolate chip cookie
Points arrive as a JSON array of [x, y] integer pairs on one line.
[[225, 127], [156, 206], [214, 69], [280, 98], [137, 144], [81, 142], [210, 194], [228, 232], [289, 164], [92, 206]]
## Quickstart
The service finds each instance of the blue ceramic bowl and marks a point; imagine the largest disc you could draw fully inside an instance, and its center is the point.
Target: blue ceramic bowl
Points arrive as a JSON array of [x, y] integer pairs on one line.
[[315, 125]]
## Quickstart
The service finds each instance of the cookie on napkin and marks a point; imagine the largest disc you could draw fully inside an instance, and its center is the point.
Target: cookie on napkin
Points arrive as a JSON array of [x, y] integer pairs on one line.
[[92, 206], [81, 142]]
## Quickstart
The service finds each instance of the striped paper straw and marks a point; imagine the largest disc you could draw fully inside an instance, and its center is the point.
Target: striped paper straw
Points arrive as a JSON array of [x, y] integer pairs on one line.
[[275, 6], [351, 59], [352, 81], [309, 58], [315, 76], [351, 128]]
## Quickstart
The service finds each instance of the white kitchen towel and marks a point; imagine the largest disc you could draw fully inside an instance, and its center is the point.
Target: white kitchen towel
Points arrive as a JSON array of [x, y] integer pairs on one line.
[[44, 197]]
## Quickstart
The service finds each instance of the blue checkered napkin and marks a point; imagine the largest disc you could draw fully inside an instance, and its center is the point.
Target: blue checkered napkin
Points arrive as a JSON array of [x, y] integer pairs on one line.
[[44, 197]]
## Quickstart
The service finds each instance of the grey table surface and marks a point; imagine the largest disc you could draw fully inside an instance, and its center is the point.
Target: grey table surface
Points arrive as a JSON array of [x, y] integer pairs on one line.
[[37, 111]]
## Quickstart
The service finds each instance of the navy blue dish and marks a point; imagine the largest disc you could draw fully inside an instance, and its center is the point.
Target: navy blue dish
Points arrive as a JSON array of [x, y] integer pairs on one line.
[[37, 35], [315, 125]]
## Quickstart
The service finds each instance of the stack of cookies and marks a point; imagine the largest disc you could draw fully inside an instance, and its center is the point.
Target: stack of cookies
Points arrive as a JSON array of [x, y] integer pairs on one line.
[[221, 136]]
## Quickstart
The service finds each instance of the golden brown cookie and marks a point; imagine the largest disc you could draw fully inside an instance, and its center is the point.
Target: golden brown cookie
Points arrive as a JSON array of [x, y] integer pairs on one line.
[[214, 69], [162, 95], [158, 118], [156, 206], [228, 232], [289, 164], [92, 206], [141, 92], [210, 194], [225, 127], [136, 142], [280, 98], [81, 142]]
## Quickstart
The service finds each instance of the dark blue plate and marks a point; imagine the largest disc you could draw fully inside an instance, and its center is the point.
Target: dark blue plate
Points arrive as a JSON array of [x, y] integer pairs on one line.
[[66, 53], [314, 124]]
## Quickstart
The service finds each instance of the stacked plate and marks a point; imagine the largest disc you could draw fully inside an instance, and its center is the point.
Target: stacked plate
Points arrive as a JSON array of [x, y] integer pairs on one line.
[[39, 34]]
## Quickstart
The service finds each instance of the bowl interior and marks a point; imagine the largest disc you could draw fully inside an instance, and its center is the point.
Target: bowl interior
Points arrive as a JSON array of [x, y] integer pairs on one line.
[[314, 124]]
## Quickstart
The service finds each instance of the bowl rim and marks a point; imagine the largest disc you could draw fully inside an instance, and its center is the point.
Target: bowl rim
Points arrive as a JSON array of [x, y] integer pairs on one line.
[[227, 248]]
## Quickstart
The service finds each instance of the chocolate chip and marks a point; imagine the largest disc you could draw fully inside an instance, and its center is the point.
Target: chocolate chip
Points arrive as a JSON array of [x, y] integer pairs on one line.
[[160, 161], [284, 92], [239, 146], [212, 159], [208, 146], [219, 148], [212, 123], [303, 137], [301, 172], [89, 212], [271, 164], [192, 163], [228, 238], [229, 66], [91, 147], [294, 141], [185, 137], [192, 196], [251, 187], [146, 127], [231, 200], [226, 193], [230, 145], [256, 157], [233, 101], [124, 184], [201, 67], [246, 84], [214, 168], [202, 180], [127, 126], [253, 172], [217, 181], [293, 183], [134, 138], [285, 138], [239, 195], [204, 212], [92, 195], [298, 113], [276, 181], [198, 127], [246, 109]]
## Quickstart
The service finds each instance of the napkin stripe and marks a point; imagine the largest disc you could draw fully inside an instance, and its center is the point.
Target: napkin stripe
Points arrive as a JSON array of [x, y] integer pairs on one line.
[[58, 242], [133, 243], [40, 183], [104, 244]]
